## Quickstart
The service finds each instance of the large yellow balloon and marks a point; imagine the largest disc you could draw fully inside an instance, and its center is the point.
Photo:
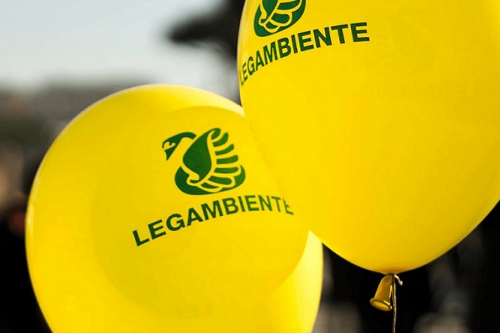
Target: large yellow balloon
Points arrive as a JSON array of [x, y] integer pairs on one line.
[[380, 119], [153, 211]]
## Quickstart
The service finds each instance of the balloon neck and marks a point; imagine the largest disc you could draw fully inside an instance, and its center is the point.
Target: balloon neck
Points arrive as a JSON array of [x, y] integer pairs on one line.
[[385, 297]]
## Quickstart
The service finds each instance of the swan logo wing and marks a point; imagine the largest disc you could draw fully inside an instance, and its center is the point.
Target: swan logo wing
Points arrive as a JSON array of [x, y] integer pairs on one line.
[[274, 16], [210, 165]]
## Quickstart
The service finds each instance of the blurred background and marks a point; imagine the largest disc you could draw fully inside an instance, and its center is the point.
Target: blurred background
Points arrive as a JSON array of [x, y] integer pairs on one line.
[[58, 57]]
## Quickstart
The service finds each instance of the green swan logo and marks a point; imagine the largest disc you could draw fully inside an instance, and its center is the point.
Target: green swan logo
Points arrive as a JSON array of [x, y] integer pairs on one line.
[[209, 165], [274, 16]]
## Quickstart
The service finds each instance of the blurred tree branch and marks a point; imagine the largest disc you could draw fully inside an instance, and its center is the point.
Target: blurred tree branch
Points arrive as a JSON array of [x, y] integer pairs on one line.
[[218, 29]]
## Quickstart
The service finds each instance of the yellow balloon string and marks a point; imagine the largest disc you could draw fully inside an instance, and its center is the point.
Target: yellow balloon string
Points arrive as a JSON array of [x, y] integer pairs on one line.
[[395, 279]]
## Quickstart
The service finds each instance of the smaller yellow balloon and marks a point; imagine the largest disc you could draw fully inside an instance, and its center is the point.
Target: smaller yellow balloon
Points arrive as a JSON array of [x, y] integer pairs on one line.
[[153, 211], [293, 307]]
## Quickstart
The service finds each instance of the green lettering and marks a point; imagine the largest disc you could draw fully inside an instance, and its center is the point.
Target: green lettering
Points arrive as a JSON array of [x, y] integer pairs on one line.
[[340, 31], [287, 207], [326, 38], [213, 212], [138, 240], [251, 203], [284, 47], [294, 44], [355, 32], [180, 222], [277, 199], [193, 216], [153, 230], [270, 53], [265, 202], [245, 75], [251, 66], [241, 79], [303, 39], [258, 61], [242, 204], [230, 206]]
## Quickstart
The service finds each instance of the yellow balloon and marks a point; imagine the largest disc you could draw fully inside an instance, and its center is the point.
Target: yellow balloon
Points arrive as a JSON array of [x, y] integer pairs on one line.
[[153, 211], [379, 119], [293, 307]]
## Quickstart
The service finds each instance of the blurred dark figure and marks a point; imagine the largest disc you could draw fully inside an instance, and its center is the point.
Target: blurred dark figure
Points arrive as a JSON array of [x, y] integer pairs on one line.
[[455, 293], [19, 311]]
